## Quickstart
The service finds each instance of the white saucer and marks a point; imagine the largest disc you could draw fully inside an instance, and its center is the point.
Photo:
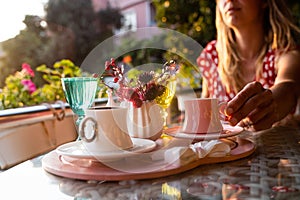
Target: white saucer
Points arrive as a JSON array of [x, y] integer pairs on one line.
[[78, 151], [228, 131]]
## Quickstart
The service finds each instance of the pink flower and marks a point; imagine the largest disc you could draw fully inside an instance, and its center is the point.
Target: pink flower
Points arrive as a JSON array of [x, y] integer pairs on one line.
[[29, 85], [27, 69]]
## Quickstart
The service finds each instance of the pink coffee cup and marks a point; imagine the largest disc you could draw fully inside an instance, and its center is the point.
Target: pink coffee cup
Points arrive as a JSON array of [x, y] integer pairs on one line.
[[202, 115]]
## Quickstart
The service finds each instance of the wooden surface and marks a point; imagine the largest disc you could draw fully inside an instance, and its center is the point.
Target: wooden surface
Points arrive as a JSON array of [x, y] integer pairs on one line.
[[12, 121], [26, 138], [136, 167]]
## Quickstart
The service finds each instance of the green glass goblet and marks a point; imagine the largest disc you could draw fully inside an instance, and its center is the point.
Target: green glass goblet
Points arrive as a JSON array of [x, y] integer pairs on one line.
[[80, 94]]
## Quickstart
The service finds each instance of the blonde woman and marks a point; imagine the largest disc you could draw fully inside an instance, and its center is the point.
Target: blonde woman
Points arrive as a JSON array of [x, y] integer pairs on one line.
[[254, 64]]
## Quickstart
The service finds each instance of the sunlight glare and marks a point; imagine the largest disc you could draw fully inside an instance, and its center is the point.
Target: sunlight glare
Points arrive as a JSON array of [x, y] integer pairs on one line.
[[12, 14]]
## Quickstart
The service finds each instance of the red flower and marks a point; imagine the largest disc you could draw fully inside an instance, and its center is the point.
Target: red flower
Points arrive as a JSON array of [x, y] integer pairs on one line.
[[137, 103], [133, 95], [27, 69], [116, 79]]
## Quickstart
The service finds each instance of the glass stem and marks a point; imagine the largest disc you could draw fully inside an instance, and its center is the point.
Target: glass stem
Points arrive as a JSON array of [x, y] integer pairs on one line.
[[78, 121], [164, 114]]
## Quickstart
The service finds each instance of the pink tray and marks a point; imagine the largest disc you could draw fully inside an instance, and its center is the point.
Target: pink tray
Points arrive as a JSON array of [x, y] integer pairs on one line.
[[134, 167]]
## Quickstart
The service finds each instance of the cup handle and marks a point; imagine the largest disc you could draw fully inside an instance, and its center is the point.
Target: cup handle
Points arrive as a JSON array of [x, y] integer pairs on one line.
[[82, 132], [222, 107]]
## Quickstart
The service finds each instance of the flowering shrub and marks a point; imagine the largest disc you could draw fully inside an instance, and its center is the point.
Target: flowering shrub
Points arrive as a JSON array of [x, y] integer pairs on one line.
[[19, 89], [52, 90], [146, 87]]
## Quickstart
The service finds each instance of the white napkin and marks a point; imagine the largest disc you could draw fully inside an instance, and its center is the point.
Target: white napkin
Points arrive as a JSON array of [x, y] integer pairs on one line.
[[213, 148]]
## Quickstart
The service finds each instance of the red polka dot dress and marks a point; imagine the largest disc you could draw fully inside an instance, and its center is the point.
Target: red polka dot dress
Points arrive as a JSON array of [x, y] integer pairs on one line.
[[208, 64]]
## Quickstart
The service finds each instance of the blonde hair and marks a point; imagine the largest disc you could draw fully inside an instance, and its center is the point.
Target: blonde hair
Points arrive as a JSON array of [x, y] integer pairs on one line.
[[278, 32]]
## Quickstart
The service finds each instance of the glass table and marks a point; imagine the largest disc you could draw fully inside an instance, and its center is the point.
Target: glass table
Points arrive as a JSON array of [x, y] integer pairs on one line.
[[271, 172]]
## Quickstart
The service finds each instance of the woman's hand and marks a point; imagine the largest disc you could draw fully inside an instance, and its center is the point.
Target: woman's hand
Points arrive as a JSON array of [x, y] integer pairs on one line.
[[253, 108]]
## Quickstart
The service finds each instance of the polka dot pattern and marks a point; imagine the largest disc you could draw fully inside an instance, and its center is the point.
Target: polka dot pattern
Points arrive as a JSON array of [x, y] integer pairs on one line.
[[208, 64]]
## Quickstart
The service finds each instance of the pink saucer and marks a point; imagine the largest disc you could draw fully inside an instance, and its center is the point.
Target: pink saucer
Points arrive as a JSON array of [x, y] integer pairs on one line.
[[228, 131]]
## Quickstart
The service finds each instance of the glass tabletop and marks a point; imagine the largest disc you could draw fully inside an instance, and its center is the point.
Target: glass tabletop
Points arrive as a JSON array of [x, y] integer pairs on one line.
[[272, 172]]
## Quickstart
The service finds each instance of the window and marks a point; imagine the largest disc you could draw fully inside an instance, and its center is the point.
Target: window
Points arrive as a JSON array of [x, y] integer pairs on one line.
[[130, 22]]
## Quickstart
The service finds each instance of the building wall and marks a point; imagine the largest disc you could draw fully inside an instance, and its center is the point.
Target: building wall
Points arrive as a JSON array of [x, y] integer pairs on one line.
[[139, 9], [99, 4]]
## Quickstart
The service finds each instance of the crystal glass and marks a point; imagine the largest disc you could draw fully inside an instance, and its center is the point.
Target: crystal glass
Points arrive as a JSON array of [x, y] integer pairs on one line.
[[165, 99], [80, 94]]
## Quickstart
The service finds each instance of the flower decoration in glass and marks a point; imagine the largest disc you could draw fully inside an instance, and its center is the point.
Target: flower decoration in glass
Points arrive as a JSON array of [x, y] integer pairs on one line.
[[146, 87]]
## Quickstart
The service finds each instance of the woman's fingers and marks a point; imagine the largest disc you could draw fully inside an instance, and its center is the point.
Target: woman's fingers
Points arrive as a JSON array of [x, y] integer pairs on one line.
[[253, 102], [263, 124], [261, 118], [243, 96]]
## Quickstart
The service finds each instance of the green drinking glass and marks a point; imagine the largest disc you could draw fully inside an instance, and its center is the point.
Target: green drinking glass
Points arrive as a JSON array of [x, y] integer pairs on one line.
[[80, 94]]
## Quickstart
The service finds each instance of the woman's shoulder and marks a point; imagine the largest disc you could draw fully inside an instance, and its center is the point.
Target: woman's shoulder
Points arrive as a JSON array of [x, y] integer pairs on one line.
[[290, 57]]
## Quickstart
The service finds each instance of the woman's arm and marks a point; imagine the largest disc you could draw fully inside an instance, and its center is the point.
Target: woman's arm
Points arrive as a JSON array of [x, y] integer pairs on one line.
[[289, 70], [260, 108]]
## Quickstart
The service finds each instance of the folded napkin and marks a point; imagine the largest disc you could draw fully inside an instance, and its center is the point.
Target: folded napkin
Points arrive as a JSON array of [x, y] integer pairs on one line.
[[213, 148], [183, 154]]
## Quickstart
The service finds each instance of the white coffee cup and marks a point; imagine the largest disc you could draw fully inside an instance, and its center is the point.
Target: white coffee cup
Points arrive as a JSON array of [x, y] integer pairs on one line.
[[104, 129], [202, 115]]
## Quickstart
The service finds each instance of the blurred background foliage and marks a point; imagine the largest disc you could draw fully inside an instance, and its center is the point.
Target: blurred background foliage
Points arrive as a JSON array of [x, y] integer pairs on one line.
[[195, 18], [72, 30]]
